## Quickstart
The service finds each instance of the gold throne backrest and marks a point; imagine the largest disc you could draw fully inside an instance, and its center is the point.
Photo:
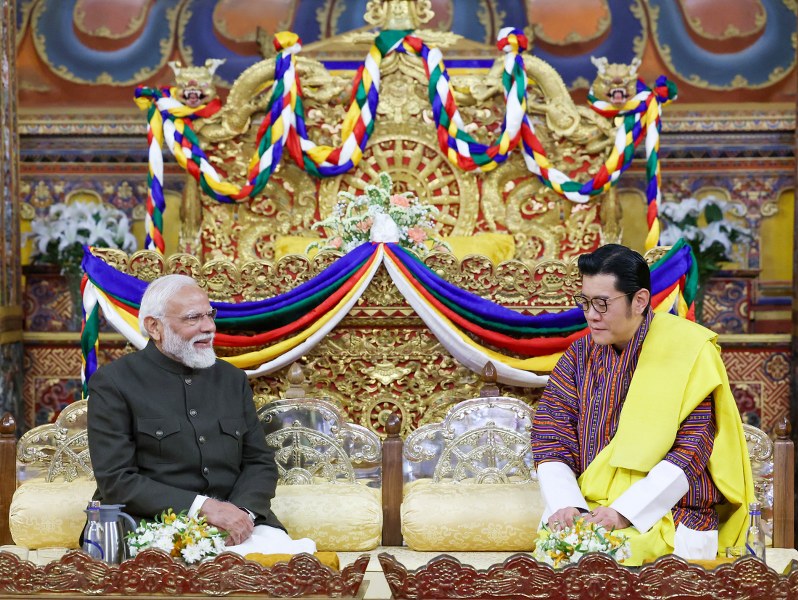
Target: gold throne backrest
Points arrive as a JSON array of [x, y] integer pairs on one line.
[[57, 451], [482, 440], [313, 443]]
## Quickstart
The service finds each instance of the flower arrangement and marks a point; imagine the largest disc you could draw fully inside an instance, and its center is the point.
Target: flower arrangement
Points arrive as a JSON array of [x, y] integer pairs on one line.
[[59, 236], [379, 215], [711, 242], [565, 546], [711, 236], [188, 538]]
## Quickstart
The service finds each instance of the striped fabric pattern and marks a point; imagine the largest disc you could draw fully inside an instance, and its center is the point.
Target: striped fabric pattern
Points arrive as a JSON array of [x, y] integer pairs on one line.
[[579, 411]]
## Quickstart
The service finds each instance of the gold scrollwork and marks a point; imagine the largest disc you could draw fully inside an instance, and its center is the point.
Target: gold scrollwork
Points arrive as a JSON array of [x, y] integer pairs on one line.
[[133, 25], [732, 31], [398, 14], [164, 48]]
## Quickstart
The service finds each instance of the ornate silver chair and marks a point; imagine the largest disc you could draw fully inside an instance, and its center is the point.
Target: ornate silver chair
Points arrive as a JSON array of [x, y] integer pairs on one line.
[[470, 483], [57, 451], [55, 482], [760, 449], [313, 442], [483, 440], [330, 474]]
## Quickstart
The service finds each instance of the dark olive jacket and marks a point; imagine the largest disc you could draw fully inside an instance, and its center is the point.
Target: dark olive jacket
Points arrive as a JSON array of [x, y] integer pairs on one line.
[[160, 433]]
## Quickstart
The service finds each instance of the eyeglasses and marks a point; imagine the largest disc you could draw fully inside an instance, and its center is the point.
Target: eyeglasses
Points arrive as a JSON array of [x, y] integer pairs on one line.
[[194, 318], [600, 304]]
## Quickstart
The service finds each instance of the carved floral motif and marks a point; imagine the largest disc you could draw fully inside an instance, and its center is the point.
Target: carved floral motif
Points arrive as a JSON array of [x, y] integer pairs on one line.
[[596, 576], [154, 572]]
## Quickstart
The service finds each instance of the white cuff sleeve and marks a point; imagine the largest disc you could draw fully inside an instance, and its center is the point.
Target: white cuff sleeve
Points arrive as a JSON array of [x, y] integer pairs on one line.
[[559, 487], [196, 505], [697, 545], [648, 500]]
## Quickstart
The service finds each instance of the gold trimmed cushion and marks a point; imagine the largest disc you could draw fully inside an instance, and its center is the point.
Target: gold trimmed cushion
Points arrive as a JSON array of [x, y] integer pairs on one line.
[[328, 559], [471, 517], [337, 516], [49, 514], [498, 247], [286, 245]]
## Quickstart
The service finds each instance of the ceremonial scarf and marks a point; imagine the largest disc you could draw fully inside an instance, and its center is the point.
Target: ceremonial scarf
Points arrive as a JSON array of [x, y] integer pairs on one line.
[[679, 366]]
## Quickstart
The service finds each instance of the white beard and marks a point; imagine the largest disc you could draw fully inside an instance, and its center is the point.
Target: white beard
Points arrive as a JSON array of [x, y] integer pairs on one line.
[[184, 350]]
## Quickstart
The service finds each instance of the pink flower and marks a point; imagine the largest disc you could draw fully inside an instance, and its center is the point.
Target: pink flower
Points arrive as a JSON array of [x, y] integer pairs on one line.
[[399, 200], [336, 242], [365, 224], [416, 234]]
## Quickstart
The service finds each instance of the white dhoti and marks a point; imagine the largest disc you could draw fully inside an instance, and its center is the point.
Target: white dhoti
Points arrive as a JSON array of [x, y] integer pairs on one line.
[[271, 540]]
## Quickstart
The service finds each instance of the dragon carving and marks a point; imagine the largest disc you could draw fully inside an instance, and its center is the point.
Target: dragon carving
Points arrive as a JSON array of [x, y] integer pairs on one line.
[[615, 82], [195, 84]]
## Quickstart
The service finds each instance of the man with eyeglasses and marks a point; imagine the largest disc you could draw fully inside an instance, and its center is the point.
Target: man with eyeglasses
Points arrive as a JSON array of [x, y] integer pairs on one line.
[[637, 429], [171, 426]]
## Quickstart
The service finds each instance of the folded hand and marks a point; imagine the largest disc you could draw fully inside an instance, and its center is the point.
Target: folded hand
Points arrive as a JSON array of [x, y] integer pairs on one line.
[[562, 518], [228, 517], [607, 517]]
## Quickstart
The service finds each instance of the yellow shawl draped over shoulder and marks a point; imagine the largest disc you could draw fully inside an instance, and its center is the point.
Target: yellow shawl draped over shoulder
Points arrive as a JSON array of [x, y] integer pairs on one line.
[[679, 366]]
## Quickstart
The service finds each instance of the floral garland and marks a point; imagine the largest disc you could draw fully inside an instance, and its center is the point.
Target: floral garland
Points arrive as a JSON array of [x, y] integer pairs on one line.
[[284, 127], [567, 545], [379, 215], [191, 539]]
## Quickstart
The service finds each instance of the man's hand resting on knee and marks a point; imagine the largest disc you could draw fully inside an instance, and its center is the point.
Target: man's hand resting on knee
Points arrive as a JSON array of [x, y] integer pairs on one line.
[[229, 517]]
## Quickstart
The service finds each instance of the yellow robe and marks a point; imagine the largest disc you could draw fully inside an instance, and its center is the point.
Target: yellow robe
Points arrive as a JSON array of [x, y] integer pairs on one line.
[[679, 366]]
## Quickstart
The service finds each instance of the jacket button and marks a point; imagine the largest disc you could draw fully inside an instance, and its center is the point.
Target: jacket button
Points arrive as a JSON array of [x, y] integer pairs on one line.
[[193, 412], [205, 470], [188, 380], [159, 433], [237, 433], [202, 439]]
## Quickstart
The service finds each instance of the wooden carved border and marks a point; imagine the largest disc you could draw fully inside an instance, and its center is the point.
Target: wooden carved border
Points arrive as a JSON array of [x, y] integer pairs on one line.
[[155, 572], [595, 576]]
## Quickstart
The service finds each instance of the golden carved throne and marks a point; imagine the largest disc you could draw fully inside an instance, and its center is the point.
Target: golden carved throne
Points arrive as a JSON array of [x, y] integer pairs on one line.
[[404, 143], [381, 360]]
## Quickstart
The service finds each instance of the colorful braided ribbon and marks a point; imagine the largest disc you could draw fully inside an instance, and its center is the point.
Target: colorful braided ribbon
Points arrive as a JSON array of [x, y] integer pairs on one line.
[[284, 127], [283, 328]]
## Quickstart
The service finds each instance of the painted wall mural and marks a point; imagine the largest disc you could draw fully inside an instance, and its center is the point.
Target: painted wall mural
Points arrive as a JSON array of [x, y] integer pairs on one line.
[[95, 51]]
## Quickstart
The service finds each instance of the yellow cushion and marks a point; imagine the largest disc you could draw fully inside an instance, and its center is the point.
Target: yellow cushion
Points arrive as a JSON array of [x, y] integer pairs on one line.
[[338, 517], [498, 247], [471, 517], [49, 514], [285, 245], [328, 559]]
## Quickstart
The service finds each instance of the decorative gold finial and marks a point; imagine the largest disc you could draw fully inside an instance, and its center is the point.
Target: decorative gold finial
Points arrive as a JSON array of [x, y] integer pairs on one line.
[[398, 14]]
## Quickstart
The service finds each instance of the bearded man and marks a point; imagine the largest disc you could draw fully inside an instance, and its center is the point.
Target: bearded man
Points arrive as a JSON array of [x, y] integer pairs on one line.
[[637, 429], [171, 426]]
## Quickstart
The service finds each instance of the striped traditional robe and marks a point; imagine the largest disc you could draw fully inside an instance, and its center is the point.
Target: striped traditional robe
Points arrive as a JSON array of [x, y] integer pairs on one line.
[[578, 416]]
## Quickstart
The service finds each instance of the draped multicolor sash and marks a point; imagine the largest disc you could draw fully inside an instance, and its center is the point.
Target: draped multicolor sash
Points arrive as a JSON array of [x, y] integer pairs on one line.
[[474, 330]]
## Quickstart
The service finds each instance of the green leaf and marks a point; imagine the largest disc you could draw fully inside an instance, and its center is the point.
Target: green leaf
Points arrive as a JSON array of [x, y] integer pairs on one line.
[[713, 213]]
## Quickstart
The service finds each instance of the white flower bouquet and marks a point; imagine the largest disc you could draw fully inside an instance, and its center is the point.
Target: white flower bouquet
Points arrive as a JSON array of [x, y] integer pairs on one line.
[[702, 223], [566, 546], [379, 215], [59, 236], [189, 538]]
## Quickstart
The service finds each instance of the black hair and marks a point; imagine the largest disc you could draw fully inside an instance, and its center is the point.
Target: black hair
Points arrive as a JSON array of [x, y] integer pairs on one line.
[[629, 267]]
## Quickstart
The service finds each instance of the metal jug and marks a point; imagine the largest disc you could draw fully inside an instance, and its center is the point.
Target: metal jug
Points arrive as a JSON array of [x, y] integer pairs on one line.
[[113, 542]]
